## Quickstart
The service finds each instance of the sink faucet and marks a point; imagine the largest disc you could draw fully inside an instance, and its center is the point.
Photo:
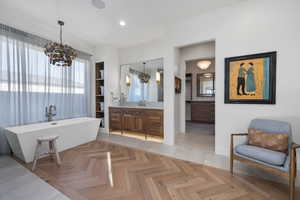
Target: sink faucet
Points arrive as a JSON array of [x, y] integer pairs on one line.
[[123, 98], [50, 112], [142, 103]]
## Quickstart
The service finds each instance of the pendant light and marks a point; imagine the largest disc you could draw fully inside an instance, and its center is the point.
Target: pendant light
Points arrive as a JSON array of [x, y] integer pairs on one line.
[[143, 76], [58, 53], [204, 64]]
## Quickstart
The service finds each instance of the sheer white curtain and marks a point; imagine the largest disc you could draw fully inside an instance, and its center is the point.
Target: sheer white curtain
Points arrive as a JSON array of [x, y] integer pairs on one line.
[[28, 83]]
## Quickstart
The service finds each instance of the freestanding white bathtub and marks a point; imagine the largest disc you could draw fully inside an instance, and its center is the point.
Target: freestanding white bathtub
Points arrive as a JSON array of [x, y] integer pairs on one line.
[[71, 132]]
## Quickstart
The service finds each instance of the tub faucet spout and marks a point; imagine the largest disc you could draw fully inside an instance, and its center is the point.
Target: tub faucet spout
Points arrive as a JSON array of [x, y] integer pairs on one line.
[[50, 112]]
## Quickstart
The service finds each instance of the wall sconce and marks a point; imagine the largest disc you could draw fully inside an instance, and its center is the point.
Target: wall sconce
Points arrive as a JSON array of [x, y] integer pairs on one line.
[[204, 64], [158, 77], [128, 81]]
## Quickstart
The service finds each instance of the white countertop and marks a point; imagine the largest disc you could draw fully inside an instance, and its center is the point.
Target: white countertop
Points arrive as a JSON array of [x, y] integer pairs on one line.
[[138, 107]]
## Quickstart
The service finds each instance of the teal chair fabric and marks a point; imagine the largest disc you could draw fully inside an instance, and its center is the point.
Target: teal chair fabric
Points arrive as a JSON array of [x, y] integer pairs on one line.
[[267, 157]]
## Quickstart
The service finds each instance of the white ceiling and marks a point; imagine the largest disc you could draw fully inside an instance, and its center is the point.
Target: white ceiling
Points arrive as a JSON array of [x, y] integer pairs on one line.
[[146, 19]]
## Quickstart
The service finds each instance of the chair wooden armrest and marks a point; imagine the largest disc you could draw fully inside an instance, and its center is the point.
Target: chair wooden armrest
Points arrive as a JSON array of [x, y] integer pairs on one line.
[[233, 135], [295, 146], [232, 148]]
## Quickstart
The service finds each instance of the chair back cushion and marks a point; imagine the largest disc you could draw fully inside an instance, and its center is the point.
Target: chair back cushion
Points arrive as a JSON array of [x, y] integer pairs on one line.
[[272, 141], [273, 126]]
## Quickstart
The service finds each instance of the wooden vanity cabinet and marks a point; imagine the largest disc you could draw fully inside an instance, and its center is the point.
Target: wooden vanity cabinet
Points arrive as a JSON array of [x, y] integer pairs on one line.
[[203, 111], [144, 121], [132, 120]]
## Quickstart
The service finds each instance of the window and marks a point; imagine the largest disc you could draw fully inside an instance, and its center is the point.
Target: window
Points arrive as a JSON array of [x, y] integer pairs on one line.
[[137, 91], [39, 76], [28, 83]]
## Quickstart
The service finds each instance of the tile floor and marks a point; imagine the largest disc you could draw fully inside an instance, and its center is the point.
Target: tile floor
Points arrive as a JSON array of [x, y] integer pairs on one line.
[[18, 183], [197, 136]]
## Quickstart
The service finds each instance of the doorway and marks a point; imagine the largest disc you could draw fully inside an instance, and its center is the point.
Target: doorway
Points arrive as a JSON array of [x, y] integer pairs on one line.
[[199, 63]]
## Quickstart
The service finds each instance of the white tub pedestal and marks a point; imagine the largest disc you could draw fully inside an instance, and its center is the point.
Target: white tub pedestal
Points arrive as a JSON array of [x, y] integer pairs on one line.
[[71, 132]]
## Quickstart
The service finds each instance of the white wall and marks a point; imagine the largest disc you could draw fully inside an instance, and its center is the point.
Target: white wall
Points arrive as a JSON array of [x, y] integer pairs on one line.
[[246, 28], [197, 51], [251, 27], [148, 51]]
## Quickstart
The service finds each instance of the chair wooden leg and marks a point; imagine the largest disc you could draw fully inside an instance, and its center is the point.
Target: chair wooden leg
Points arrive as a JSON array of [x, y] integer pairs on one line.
[[231, 155], [292, 174], [231, 164], [295, 164], [292, 186], [36, 155], [58, 161]]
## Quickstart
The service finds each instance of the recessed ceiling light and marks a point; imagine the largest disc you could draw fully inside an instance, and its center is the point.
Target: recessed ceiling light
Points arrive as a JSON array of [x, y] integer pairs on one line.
[[100, 4], [122, 23]]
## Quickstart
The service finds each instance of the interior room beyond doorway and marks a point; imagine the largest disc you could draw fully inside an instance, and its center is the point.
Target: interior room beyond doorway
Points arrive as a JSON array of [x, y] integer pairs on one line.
[[199, 63]]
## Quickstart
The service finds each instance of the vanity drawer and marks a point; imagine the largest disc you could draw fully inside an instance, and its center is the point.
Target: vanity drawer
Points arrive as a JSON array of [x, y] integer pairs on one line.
[[133, 112], [115, 119], [154, 122], [115, 110], [154, 127]]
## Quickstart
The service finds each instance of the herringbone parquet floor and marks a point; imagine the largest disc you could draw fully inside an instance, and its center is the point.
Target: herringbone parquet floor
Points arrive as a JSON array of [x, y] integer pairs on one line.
[[101, 170]]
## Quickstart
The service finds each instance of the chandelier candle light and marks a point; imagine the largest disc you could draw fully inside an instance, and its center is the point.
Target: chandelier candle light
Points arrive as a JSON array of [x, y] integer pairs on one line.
[[58, 53], [128, 81], [158, 77]]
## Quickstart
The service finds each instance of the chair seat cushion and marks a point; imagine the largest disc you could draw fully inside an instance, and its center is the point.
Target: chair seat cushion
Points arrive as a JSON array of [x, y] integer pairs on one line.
[[261, 154]]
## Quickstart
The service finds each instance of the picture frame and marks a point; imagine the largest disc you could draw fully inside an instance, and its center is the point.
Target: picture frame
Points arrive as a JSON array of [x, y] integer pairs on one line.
[[251, 79], [177, 85]]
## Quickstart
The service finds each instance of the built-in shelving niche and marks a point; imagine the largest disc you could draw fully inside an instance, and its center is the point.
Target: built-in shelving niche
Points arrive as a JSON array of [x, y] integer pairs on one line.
[[99, 93]]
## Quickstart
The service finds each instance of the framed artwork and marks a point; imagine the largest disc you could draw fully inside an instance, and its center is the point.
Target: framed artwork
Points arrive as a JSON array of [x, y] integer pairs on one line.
[[251, 79], [177, 85]]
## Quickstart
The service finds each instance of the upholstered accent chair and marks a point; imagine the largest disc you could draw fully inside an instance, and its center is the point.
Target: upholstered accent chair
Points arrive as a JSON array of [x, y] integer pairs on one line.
[[279, 163]]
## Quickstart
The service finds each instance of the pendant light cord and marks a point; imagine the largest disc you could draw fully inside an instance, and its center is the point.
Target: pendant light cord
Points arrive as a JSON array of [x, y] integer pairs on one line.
[[61, 34]]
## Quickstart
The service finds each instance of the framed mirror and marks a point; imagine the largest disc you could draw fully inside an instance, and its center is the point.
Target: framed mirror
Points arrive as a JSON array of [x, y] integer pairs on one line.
[[142, 81], [206, 85]]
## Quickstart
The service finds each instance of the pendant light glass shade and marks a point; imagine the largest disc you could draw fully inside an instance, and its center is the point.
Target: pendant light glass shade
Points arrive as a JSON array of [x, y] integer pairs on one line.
[[204, 64]]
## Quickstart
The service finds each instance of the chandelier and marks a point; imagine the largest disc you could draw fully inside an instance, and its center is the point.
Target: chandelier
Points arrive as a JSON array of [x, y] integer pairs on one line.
[[144, 77], [58, 53]]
